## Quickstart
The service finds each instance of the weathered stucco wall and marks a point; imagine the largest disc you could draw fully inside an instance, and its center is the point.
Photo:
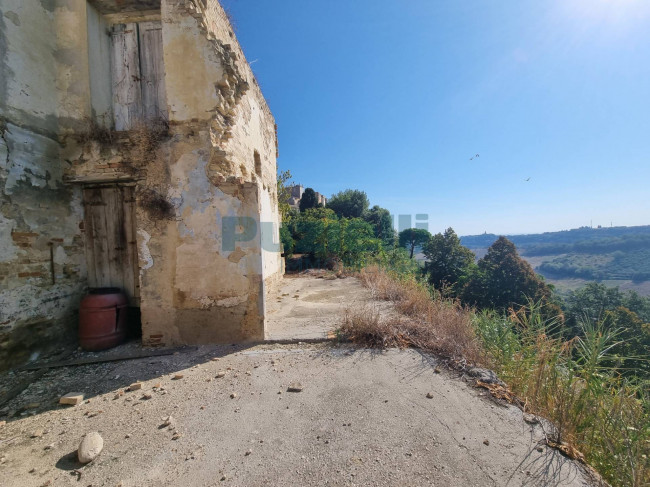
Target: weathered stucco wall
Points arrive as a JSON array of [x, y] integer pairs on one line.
[[212, 160], [42, 266], [218, 126]]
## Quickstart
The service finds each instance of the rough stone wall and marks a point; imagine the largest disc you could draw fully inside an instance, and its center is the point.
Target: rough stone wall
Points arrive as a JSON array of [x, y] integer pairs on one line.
[[215, 159], [222, 164], [42, 266]]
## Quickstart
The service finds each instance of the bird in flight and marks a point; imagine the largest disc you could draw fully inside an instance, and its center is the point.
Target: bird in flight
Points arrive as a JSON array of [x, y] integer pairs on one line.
[[472, 158], [527, 179]]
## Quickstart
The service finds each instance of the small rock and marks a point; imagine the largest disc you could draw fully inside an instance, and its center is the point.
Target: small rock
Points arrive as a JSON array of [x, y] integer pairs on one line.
[[486, 442], [72, 398], [127, 436], [49, 447], [429, 395], [136, 386], [530, 418], [233, 395], [178, 377], [248, 452], [168, 421], [91, 445], [294, 387], [157, 385], [146, 397], [540, 449], [437, 370], [176, 436], [37, 434], [484, 375], [2, 423], [215, 359], [220, 374]]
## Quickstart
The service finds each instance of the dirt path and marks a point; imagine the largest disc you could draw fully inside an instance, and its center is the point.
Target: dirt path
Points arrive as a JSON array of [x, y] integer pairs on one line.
[[311, 307], [362, 418]]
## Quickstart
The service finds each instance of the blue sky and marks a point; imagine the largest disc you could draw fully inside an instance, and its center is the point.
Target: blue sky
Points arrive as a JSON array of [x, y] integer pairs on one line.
[[395, 97]]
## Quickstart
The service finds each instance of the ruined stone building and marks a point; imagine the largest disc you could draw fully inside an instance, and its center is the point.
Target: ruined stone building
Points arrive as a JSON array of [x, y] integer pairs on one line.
[[136, 151], [295, 195]]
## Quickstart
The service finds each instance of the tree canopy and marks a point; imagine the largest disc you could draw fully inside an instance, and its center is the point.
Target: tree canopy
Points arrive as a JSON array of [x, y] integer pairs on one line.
[[504, 280], [447, 260], [413, 237], [308, 200], [382, 224], [351, 203]]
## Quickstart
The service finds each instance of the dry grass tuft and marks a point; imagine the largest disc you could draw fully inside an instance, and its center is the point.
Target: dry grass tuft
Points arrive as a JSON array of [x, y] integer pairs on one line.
[[145, 137], [156, 205], [431, 323]]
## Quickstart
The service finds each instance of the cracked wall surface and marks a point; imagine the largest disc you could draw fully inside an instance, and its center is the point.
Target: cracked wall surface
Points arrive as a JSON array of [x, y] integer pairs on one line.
[[202, 164], [42, 265]]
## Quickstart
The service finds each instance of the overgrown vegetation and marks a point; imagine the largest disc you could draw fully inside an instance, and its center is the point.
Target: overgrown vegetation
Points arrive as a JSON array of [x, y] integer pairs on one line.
[[576, 384], [345, 233], [143, 138], [598, 414]]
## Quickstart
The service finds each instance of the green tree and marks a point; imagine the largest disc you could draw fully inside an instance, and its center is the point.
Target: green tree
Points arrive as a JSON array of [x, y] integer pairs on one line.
[[633, 348], [325, 237], [590, 303], [351, 203], [504, 280], [447, 260], [287, 240], [284, 193], [413, 237], [382, 224], [308, 200]]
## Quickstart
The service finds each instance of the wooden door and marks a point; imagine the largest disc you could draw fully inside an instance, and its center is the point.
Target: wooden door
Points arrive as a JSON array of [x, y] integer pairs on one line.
[[111, 249]]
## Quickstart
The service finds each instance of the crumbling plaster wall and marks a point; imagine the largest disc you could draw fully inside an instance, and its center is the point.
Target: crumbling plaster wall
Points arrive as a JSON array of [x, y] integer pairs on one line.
[[217, 126], [42, 266], [254, 127], [193, 290]]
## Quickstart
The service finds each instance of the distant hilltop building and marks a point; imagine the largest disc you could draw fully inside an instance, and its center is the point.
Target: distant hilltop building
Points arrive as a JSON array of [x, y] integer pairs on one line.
[[297, 191]]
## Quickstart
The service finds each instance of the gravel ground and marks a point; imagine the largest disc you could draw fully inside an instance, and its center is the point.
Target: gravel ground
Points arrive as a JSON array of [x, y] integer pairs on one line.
[[224, 415], [310, 306], [362, 418]]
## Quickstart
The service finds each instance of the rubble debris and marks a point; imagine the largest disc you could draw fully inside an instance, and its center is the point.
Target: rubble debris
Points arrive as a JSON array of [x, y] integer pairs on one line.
[[294, 387], [72, 398], [90, 447]]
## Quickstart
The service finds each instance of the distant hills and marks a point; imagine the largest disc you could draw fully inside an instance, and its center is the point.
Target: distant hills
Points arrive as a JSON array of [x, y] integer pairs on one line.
[[562, 237], [601, 254]]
